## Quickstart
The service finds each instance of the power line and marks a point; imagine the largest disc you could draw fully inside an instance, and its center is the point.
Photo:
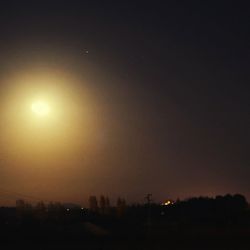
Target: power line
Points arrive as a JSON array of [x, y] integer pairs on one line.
[[18, 195]]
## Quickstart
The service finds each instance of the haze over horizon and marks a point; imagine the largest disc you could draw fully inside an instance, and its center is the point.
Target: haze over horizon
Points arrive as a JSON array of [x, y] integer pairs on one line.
[[142, 98]]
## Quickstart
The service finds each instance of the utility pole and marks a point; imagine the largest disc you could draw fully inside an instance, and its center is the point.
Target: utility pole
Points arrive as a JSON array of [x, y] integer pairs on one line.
[[149, 201]]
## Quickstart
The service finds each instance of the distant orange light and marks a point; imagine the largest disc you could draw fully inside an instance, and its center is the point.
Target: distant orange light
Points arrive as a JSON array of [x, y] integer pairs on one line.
[[167, 203]]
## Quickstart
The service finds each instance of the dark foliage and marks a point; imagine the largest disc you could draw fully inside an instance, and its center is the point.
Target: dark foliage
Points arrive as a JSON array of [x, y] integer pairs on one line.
[[197, 219]]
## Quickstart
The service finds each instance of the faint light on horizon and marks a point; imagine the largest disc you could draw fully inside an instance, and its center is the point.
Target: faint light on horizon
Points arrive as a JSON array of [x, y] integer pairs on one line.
[[168, 203]]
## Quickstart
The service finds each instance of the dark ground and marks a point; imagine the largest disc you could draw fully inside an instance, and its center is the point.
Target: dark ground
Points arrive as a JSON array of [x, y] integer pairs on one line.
[[199, 223]]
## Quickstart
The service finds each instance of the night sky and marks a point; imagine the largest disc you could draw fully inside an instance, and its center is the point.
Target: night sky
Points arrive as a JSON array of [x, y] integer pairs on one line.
[[168, 90]]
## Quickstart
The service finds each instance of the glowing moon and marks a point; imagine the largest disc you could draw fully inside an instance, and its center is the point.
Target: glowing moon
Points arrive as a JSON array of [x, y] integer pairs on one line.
[[40, 108]]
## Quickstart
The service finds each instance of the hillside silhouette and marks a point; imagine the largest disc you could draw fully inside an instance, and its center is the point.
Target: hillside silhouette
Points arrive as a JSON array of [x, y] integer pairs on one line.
[[210, 223]]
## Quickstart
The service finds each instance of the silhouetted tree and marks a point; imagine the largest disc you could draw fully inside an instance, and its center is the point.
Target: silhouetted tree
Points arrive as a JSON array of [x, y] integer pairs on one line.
[[107, 202], [108, 209], [40, 209], [23, 208], [40, 206], [93, 204], [102, 204], [118, 202], [240, 202], [120, 206], [20, 204]]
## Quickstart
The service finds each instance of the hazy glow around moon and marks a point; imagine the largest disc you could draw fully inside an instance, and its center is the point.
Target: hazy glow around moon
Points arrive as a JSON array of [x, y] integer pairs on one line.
[[40, 108]]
